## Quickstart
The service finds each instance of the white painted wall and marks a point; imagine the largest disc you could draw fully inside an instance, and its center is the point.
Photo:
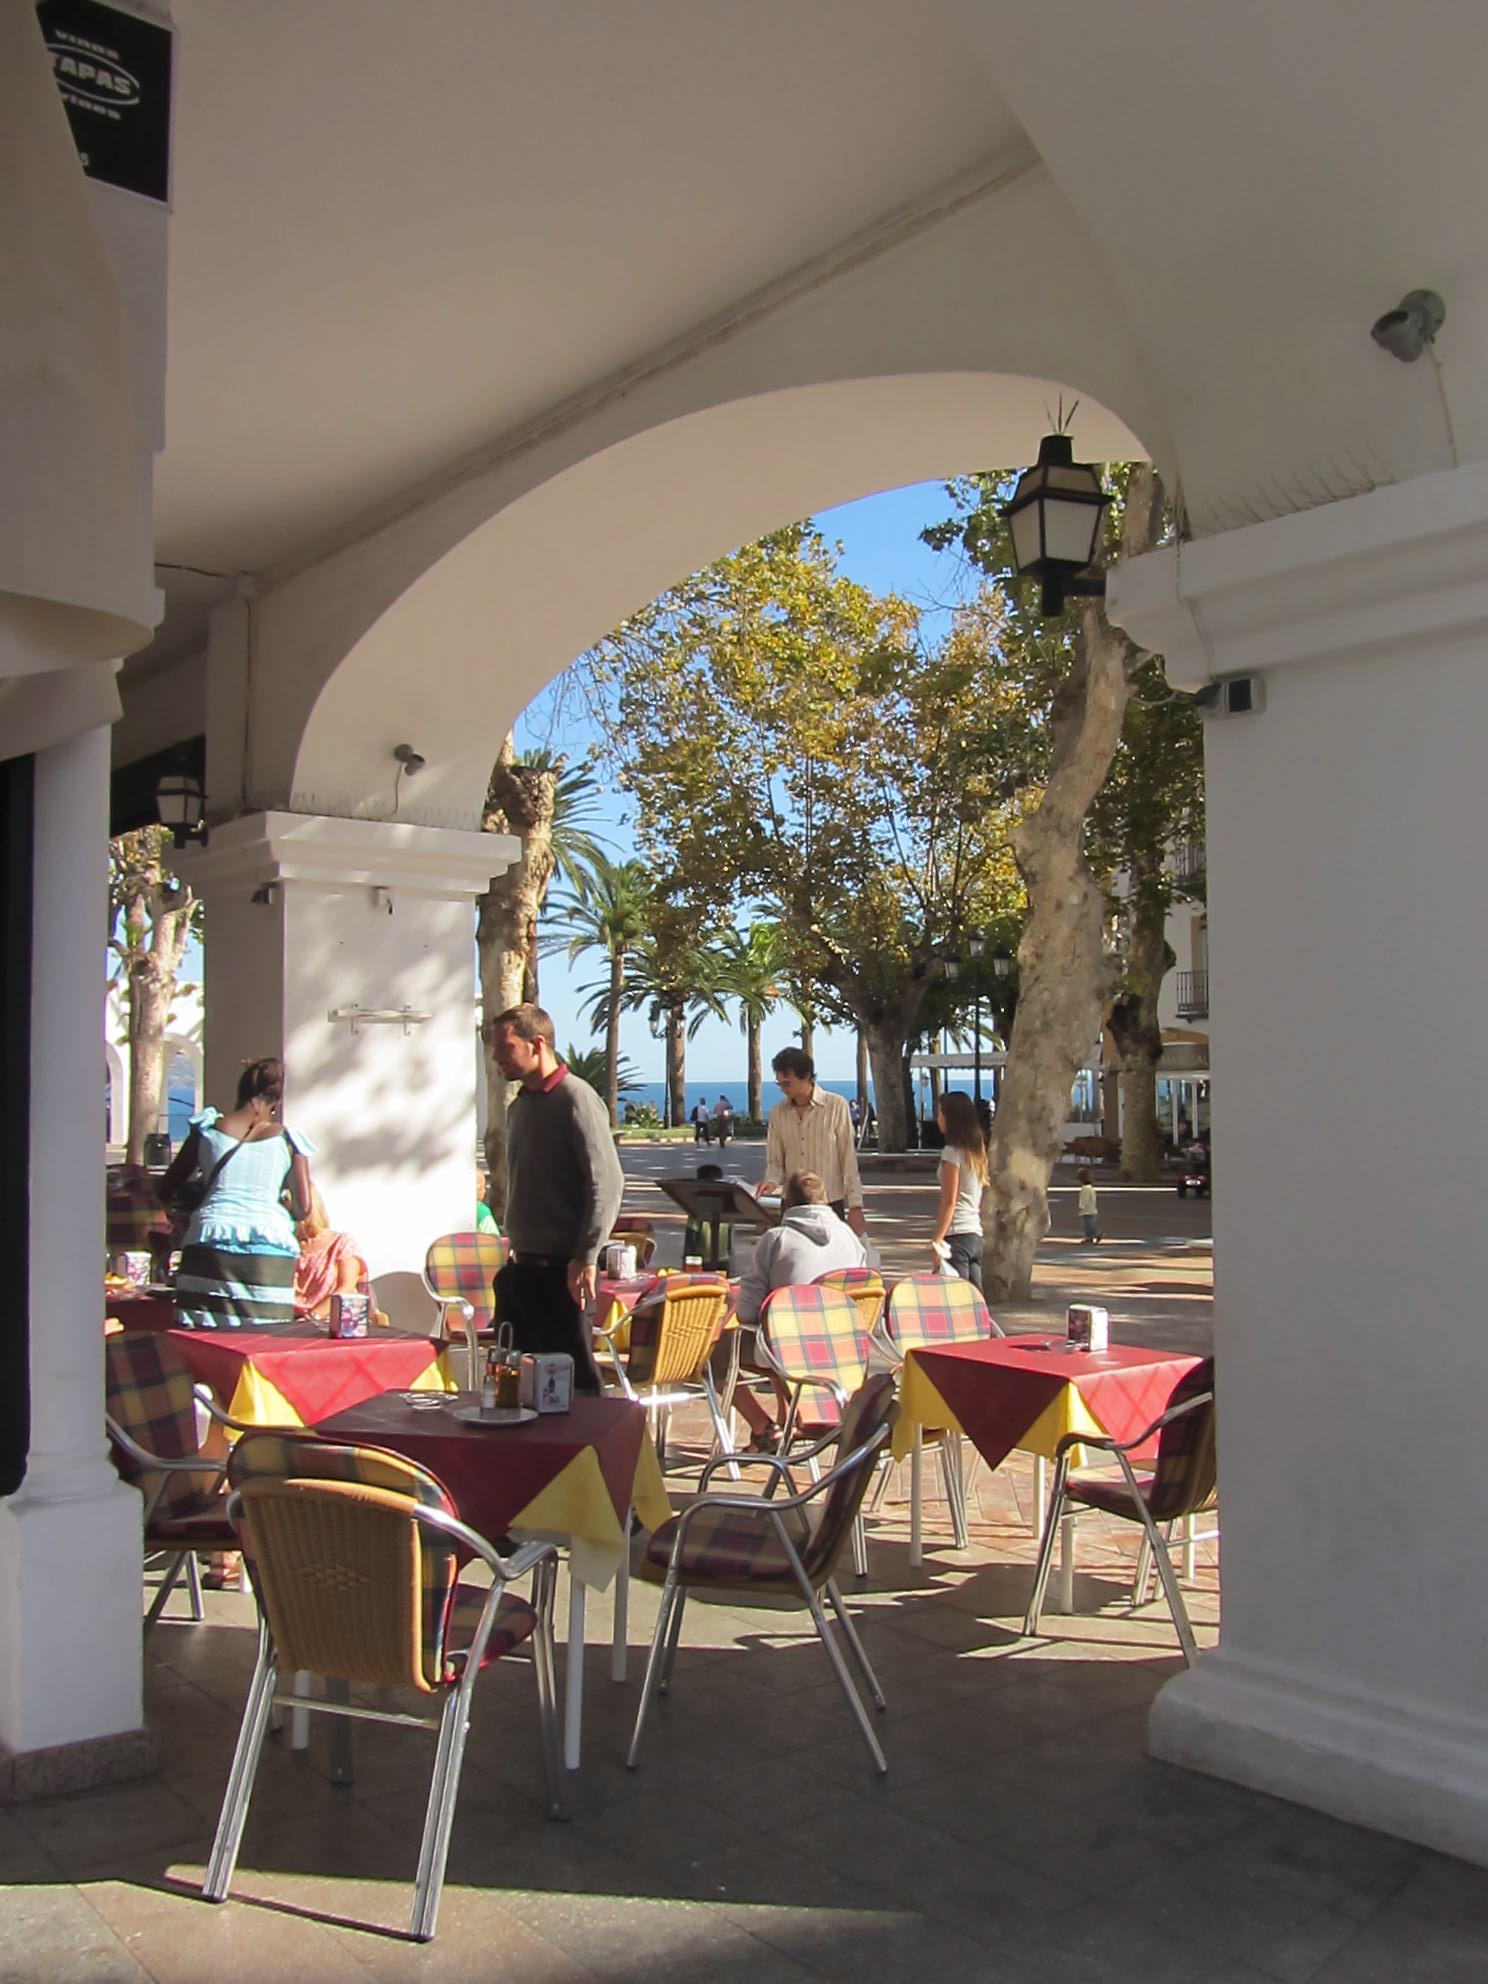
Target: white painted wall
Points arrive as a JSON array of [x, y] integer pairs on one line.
[[1346, 829], [392, 1113]]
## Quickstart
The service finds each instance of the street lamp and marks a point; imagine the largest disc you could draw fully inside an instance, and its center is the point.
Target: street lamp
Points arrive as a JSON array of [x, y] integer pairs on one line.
[[1054, 521], [180, 804]]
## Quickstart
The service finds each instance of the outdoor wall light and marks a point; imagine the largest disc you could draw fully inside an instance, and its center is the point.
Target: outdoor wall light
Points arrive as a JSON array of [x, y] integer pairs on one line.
[[1054, 520], [181, 804], [1406, 330]]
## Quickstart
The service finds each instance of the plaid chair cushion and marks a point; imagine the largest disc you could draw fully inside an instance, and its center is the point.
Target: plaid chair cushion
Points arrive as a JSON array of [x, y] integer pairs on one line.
[[932, 1308], [816, 1336], [515, 1621], [864, 1285], [460, 1267], [871, 1406], [735, 1548], [1184, 1478], [147, 1391], [134, 1220], [271, 1456]]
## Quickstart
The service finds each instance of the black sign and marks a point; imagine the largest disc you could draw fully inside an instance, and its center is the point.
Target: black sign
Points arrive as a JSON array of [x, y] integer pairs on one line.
[[114, 72]]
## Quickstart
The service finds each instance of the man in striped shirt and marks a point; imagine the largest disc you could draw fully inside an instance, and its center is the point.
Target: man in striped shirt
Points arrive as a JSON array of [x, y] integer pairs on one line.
[[811, 1130]]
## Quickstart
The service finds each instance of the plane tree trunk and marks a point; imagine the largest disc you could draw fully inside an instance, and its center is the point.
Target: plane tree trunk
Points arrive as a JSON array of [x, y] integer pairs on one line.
[[1136, 1036]]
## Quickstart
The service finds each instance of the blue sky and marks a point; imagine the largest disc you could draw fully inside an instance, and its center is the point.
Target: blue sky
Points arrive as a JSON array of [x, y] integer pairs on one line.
[[881, 548]]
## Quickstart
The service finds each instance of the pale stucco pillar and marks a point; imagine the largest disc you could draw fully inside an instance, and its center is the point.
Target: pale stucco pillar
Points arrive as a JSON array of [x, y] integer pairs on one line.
[[1348, 913], [70, 1544], [319, 933]]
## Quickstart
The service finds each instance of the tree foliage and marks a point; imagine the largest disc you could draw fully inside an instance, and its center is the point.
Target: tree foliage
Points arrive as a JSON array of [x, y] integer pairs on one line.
[[790, 742], [152, 916]]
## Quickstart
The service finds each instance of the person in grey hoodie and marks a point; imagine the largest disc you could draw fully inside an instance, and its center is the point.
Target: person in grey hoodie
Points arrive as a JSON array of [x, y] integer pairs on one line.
[[809, 1241]]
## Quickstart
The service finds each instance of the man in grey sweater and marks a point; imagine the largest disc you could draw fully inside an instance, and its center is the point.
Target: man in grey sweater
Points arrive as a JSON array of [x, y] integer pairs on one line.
[[564, 1187], [809, 1241]]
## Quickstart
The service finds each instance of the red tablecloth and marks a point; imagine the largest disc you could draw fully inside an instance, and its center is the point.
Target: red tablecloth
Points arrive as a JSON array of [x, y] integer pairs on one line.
[[574, 1473], [1027, 1391], [257, 1373]]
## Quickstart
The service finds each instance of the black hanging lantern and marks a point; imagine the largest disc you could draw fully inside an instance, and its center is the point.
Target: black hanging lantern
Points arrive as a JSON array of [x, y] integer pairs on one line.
[[1055, 519], [181, 804]]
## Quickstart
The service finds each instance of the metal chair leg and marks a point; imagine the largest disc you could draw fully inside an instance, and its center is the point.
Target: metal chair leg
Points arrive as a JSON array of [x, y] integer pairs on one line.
[[224, 1856], [723, 1441], [839, 1667], [673, 1635], [859, 1651], [168, 1584], [653, 1667], [859, 1546], [545, 1665], [950, 1467], [1046, 1547], [428, 1883], [193, 1587], [1170, 1585]]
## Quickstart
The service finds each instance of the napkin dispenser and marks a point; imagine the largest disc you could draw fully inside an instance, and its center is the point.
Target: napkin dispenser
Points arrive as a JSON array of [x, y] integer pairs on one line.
[[620, 1260], [1088, 1327], [547, 1381], [350, 1315]]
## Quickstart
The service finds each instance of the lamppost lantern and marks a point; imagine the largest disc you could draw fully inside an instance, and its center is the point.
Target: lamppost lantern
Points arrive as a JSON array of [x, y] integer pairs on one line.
[[1002, 962], [181, 805], [953, 969], [1054, 520], [976, 945]]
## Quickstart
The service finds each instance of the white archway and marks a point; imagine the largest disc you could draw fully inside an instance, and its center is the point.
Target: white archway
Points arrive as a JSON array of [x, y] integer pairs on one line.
[[452, 662]]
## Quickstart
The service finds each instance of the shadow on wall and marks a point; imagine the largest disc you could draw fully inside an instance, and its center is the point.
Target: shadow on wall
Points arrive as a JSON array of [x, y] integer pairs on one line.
[[406, 1302]]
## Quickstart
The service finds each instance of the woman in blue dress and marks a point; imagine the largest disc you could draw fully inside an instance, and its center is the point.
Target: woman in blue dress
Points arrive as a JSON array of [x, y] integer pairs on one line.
[[239, 1251]]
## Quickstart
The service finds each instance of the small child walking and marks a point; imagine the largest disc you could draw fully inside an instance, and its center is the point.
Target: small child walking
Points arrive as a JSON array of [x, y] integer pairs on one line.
[[1089, 1215]]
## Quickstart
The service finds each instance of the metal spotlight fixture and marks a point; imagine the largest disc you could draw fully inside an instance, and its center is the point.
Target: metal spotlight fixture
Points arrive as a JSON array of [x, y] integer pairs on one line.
[[412, 761], [181, 804], [1054, 520], [1406, 330]]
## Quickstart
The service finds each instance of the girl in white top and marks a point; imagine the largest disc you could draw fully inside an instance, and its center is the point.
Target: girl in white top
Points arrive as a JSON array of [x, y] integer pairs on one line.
[[963, 1179]]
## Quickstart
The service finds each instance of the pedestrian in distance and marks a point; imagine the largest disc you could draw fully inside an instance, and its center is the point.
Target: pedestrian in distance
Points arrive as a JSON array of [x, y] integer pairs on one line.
[[963, 1179], [702, 1124], [564, 1187], [1089, 1211]]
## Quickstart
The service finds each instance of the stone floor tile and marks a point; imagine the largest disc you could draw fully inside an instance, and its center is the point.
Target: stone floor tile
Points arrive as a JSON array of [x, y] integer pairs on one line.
[[1318, 1860], [1094, 1943], [82, 1829], [619, 1938], [1446, 1891], [22, 1857], [1397, 1947], [1232, 1915], [50, 1933]]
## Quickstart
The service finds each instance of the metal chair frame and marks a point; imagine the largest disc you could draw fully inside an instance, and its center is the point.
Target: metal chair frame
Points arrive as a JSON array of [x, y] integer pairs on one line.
[[660, 1395], [1063, 1491], [675, 1587], [452, 1724], [798, 1381], [951, 1444], [487, 1244]]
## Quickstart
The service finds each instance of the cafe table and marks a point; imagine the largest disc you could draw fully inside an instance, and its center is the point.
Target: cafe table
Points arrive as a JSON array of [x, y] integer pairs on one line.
[[294, 1374], [1029, 1392], [571, 1477]]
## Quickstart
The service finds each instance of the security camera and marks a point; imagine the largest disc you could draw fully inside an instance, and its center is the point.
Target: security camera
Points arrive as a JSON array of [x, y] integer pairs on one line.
[[1406, 330]]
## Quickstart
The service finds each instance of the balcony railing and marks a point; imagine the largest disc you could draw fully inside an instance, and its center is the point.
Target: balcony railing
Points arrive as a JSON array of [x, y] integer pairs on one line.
[[1193, 995], [1187, 863]]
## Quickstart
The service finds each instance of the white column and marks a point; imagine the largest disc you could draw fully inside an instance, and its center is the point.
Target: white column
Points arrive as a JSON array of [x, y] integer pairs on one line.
[[70, 1560], [1348, 899], [306, 916]]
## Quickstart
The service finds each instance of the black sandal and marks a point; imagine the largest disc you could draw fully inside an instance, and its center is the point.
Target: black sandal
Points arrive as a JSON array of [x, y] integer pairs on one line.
[[765, 1441]]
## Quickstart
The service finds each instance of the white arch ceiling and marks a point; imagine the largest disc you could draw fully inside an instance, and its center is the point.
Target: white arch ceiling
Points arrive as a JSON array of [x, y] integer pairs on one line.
[[467, 646]]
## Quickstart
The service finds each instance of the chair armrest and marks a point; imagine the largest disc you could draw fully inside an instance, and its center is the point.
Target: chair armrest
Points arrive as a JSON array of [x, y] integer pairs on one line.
[[505, 1568], [157, 1463], [1108, 1445], [783, 1464], [761, 1502]]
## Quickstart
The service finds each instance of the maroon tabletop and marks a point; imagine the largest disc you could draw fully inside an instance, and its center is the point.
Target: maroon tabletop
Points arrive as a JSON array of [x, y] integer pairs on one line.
[[999, 1388], [493, 1475], [314, 1374]]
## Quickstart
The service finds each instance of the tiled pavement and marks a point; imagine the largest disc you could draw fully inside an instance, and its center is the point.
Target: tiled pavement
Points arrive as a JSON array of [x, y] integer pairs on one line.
[[1021, 1833]]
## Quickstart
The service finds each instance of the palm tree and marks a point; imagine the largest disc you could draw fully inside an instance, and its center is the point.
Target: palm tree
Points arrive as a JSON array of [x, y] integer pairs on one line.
[[751, 965], [676, 981], [588, 1063], [606, 911]]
